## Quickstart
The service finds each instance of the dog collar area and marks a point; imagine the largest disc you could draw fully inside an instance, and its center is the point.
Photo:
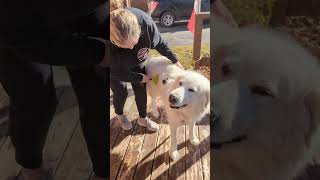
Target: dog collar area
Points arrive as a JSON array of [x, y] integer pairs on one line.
[[175, 107], [238, 139]]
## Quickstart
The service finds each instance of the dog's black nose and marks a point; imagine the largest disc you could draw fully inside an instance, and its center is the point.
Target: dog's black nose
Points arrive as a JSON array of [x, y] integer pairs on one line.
[[173, 99]]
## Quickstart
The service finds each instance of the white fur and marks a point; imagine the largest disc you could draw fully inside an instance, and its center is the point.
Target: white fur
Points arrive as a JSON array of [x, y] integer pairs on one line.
[[197, 103], [283, 131]]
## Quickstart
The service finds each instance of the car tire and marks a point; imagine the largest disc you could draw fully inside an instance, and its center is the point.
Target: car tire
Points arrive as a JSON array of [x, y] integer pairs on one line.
[[167, 19]]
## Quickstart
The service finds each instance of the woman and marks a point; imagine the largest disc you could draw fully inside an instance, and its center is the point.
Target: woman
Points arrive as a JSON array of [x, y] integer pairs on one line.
[[132, 34]]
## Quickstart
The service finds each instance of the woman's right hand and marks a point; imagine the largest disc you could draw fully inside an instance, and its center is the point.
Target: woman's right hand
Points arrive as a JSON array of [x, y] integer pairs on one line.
[[138, 77], [145, 79]]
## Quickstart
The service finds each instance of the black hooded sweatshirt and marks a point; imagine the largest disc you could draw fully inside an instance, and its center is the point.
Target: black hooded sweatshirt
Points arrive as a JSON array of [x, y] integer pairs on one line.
[[125, 63]]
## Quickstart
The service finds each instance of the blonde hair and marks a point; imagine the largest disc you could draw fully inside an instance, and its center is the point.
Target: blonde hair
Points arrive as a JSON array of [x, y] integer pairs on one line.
[[116, 4], [123, 26]]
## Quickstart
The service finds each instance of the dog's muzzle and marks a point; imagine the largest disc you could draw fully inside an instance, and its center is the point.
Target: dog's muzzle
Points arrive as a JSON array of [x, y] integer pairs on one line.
[[173, 100], [218, 145]]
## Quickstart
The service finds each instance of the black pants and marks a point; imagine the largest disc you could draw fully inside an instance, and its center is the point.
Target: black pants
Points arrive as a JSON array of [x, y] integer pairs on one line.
[[120, 94], [33, 103]]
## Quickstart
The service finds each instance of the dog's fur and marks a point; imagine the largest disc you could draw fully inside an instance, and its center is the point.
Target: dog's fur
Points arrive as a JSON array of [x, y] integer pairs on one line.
[[188, 88], [271, 94]]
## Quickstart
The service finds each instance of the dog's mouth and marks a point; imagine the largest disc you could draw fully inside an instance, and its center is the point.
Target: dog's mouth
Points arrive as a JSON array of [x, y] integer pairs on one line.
[[218, 145], [178, 107], [237, 139]]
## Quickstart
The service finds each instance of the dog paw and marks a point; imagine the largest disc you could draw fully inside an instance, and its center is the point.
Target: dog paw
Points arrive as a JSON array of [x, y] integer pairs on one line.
[[195, 141], [174, 155]]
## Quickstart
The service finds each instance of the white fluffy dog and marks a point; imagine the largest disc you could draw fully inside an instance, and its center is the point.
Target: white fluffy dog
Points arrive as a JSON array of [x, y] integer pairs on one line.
[[267, 106], [184, 94]]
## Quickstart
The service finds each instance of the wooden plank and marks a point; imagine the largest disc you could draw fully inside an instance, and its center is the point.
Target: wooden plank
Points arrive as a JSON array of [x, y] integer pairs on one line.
[[161, 162], [61, 129], [2, 140], [59, 136], [134, 151], [8, 165], [200, 16], [197, 38], [120, 146], [75, 163], [144, 168], [178, 168], [115, 127], [204, 15], [132, 155], [204, 132], [193, 158]]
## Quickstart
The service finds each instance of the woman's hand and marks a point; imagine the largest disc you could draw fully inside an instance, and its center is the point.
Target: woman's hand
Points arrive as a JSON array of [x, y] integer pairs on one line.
[[138, 77], [179, 65], [145, 78]]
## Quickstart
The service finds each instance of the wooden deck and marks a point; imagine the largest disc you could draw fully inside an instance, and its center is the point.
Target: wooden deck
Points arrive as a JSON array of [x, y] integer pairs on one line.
[[135, 154], [65, 148], [142, 154]]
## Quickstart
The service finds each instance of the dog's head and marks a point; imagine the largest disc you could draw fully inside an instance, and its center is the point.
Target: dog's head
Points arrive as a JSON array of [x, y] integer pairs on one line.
[[189, 92], [268, 96]]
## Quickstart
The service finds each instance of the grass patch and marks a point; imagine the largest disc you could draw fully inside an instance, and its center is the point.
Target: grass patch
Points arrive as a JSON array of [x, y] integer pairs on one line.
[[184, 54]]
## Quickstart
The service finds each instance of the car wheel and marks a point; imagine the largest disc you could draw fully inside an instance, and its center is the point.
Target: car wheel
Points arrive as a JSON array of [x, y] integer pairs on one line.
[[167, 19]]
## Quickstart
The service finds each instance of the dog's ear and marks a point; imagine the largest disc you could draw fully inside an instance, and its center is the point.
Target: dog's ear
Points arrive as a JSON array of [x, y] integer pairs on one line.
[[312, 103]]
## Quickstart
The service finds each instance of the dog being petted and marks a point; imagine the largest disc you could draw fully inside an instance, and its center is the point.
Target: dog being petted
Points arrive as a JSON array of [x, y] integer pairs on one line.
[[185, 95]]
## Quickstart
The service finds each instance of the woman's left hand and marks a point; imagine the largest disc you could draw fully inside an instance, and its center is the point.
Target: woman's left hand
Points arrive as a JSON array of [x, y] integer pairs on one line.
[[179, 65]]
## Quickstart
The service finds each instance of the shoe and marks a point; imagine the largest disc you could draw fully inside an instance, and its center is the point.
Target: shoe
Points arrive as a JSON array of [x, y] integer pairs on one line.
[[146, 122], [125, 123]]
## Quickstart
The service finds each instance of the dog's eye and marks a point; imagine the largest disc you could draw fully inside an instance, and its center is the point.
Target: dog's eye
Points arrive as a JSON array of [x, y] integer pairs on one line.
[[191, 90], [164, 81], [226, 70], [261, 91], [180, 83]]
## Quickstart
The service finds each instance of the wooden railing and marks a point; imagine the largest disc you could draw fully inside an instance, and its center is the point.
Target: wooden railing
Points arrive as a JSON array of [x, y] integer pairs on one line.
[[198, 33]]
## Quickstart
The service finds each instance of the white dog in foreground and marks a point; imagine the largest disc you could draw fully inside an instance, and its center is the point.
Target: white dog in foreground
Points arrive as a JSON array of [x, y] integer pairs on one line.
[[184, 94], [266, 106]]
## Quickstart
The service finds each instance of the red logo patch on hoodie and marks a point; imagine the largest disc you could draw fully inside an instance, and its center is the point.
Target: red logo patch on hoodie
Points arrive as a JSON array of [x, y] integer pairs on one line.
[[143, 54]]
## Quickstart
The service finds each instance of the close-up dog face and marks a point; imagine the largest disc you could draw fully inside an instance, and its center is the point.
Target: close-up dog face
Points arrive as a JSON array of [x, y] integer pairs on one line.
[[261, 82], [266, 98], [189, 90]]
